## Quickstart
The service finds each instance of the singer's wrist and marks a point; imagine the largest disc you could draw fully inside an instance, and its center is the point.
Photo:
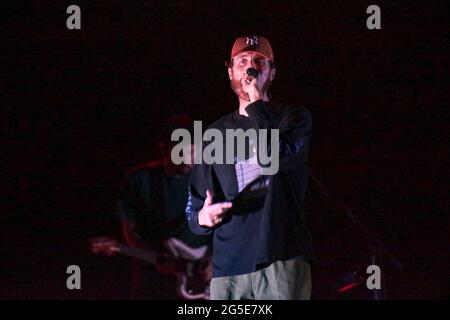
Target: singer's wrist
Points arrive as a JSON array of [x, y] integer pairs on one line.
[[202, 219]]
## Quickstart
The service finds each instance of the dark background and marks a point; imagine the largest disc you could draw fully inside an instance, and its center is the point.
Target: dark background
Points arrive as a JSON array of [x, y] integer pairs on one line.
[[82, 106]]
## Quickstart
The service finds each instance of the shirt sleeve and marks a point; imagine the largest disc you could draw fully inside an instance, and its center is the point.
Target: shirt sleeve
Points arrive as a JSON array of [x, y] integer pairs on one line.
[[295, 131], [125, 210], [196, 198]]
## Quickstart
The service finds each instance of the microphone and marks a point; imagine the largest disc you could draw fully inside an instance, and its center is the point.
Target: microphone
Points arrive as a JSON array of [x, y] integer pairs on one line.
[[251, 72]]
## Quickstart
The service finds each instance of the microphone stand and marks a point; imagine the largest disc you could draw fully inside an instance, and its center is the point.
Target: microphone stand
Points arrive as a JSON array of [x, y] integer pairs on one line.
[[376, 247]]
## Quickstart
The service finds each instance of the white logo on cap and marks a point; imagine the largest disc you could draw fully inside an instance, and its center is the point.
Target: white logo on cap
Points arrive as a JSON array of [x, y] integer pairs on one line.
[[253, 41]]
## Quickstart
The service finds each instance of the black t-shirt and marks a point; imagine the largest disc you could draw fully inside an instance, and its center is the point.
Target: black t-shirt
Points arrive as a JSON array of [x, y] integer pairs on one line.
[[155, 203], [266, 224]]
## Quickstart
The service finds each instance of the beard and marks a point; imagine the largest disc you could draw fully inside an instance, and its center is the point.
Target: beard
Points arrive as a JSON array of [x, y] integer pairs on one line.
[[236, 86]]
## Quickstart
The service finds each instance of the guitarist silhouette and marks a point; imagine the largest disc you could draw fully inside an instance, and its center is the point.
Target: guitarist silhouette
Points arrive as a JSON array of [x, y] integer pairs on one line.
[[151, 210]]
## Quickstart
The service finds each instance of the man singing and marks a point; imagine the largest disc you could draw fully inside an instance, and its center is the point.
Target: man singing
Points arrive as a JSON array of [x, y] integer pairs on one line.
[[262, 246]]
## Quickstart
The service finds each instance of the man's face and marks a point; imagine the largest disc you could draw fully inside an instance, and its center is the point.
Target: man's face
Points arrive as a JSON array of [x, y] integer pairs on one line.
[[245, 60], [187, 164]]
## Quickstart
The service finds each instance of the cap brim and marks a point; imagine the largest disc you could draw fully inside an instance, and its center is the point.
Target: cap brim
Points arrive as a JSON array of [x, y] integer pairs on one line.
[[252, 50]]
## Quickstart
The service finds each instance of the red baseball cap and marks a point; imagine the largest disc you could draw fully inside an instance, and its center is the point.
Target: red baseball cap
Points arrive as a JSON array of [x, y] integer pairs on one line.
[[252, 43]]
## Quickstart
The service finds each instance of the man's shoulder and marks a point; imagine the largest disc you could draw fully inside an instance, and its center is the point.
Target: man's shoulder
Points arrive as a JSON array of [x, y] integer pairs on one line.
[[286, 115], [144, 169], [223, 122], [282, 108]]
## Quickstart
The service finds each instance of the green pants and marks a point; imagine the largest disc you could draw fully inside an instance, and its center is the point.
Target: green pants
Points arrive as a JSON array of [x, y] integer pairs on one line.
[[282, 280]]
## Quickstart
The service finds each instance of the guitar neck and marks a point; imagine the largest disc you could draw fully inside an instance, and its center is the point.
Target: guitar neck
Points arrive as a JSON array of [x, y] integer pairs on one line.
[[145, 255]]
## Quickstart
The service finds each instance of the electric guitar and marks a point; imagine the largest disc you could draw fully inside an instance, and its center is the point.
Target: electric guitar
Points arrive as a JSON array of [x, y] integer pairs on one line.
[[190, 266]]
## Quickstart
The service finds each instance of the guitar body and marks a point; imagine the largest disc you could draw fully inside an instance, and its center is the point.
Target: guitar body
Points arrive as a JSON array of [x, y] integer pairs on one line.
[[192, 267], [192, 288]]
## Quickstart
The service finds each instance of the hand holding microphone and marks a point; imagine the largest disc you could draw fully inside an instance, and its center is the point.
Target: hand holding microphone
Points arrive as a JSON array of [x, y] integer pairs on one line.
[[253, 73], [253, 91]]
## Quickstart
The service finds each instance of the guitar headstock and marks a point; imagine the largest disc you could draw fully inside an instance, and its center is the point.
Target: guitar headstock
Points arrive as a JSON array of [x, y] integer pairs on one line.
[[105, 245]]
